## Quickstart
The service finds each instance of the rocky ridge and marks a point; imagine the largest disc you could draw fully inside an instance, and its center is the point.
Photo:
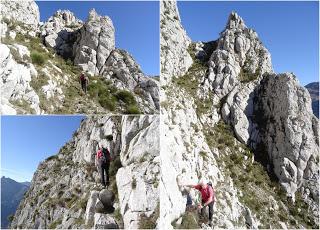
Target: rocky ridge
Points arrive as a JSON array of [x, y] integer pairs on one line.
[[65, 191], [227, 121], [59, 50]]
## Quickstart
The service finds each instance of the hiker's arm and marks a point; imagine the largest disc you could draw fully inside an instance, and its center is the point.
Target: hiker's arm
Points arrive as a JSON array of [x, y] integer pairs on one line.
[[208, 201], [189, 185]]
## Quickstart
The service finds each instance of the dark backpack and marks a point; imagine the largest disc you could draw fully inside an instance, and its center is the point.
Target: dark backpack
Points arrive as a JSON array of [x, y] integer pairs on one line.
[[106, 154], [213, 197], [103, 155]]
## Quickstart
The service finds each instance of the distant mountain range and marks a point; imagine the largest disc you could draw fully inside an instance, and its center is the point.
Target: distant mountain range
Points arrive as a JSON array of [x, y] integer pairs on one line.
[[313, 89], [11, 194]]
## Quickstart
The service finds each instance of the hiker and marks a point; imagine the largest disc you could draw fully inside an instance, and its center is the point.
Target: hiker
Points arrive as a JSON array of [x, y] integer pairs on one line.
[[84, 80], [103, 159], [207, 197]]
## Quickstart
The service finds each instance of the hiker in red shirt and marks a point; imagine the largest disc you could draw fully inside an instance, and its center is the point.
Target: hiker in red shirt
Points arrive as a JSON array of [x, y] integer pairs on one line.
[[207, 197], [84, 80], [103, 158]]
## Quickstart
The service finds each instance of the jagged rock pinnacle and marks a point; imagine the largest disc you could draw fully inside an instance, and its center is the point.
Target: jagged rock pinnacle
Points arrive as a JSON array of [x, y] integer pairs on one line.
[[235, 21]]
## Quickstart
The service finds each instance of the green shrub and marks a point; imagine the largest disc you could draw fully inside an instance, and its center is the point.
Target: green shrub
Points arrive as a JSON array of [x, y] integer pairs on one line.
[[146, 222], [54, 224], [69, 62], [190, 220], [117, 214], [125, 96], [107, 103], [102, 92], [109, 137], [203, 154], [133, 109], [151, 221], [38, 58], [10, 218], [79, 221], [52, 157], [71, 201], [246, 76]]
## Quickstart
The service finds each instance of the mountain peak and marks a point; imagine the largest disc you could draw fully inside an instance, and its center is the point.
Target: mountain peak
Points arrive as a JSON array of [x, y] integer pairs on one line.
[[93, 15], [235, 21]]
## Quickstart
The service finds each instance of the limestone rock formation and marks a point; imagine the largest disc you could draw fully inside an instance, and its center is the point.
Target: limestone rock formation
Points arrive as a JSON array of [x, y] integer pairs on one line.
[[95, 43], [125, 73], [138, 180], [288, 129], [15, 79], [174, 43], [26, 12], [238, 55], [66, 193], [230, 120], [60, 32]]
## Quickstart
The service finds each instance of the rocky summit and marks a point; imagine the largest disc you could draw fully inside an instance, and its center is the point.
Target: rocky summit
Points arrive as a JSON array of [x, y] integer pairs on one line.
[[65, 191], [41, 63], [228, 118]]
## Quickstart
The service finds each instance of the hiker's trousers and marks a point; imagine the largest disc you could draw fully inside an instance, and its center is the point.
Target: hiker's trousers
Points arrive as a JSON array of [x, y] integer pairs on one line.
[[104, 173], [203, 210], [84, 86]]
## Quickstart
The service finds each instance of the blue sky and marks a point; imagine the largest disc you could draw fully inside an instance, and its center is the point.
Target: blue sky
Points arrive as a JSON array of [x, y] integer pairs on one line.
[[28, 140], [136, 26], [289, 30]]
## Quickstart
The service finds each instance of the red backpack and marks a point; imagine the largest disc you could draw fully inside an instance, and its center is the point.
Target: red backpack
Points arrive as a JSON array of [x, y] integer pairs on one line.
[[103, 155]]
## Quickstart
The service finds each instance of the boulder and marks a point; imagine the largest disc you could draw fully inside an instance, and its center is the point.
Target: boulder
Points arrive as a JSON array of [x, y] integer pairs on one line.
[[106, 197], [104, 221]]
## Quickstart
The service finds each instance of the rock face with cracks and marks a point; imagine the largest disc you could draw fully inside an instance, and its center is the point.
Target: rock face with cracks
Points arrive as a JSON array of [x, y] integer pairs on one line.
[[288, 130], [16, 77], [26, 12], [65, 191], [230, 120], [174, 43], [95, 43]]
